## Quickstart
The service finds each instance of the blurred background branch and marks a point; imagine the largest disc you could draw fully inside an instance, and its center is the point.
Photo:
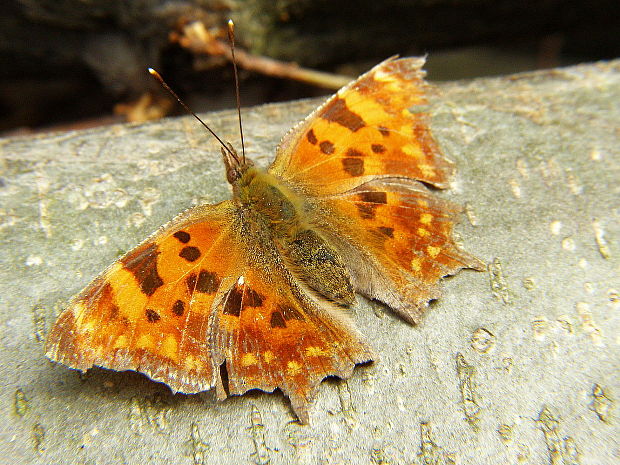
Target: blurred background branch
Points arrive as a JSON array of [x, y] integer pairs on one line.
[[77, 63]]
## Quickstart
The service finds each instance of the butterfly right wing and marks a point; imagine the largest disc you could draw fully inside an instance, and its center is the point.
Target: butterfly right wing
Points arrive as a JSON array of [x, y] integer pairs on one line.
[[363, 132], [209, 289], [150, 311]]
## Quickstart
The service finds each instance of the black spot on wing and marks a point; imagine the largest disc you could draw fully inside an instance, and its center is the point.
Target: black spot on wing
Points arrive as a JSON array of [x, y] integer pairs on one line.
[[142, 263], [389, 232], [373, 197], [182, 236], [337, 112], [311, 137], [152, 316], [277, 320], [252, 298], [240, 297], [234, 301], [353, 166], [355, 153], [384, 131], [327, 147], [377, 148], [178, 308], [206, 282], [191, 254]]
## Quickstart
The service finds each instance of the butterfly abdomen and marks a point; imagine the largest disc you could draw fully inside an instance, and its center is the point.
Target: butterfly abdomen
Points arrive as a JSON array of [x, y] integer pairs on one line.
[[320, 266]]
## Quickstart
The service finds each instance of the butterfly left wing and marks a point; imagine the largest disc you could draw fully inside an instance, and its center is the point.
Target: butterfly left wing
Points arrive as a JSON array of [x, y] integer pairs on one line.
[[271, 332], [204, 291], [364, 159], [402, 242], [363, 132]]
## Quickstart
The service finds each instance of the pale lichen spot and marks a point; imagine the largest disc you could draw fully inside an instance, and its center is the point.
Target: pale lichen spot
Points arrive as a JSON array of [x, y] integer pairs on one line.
[[34, 260], [416, 264], [268, 356], [169, 347], [596, 155], [77, 244], [145, 341], [293, 368], [426, 218], [423, 232], [241, 280], [248, 359], [412, 150], [433, 251], [315, 351], [568, 244]]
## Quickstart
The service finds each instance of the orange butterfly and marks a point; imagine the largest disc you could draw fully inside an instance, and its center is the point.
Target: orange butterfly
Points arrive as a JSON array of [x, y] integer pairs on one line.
[[258, 282]]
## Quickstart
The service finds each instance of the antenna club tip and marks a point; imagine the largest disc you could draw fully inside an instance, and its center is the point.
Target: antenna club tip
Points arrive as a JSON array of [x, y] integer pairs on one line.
[[155, 74]]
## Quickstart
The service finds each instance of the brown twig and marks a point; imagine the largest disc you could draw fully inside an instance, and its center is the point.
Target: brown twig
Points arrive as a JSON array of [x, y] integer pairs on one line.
[[196, 38]]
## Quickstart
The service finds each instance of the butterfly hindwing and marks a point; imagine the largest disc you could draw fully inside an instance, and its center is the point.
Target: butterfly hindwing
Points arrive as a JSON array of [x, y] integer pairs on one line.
[[285, 339], [407, 242]]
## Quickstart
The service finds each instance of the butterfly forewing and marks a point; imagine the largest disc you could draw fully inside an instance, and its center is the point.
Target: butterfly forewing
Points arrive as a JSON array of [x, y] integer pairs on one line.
[[150, 310], [365, 131]]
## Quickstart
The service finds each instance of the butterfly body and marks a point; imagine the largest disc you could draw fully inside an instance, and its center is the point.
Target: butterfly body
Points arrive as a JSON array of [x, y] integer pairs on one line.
[[284, 219], [256, 284]]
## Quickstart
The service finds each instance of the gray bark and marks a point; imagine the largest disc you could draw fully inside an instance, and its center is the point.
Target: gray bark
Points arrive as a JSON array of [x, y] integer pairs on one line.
[[516, 365]]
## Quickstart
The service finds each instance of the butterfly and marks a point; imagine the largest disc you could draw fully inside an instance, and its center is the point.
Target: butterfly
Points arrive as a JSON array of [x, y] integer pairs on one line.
[[252, 293]]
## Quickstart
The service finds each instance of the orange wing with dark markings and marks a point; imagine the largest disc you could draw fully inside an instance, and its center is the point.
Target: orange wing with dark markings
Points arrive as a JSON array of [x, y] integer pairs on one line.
[[404, 235], [366, 155], [185, 302], [287, 339], [363, 132], [140, 315]]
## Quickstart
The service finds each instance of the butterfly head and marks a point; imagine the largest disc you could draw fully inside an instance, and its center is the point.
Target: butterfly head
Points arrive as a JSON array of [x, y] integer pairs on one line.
[[236, 166]]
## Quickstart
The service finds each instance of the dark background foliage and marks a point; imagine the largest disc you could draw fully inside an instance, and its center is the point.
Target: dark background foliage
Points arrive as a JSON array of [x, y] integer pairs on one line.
[[70, 61]]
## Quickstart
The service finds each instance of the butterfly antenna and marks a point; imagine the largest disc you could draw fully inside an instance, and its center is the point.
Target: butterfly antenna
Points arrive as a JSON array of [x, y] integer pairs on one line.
[[231, 38], [163, 83]]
